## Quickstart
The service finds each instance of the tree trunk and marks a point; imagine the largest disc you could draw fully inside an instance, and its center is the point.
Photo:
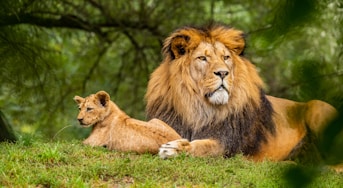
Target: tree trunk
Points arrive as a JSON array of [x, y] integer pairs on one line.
[[6, 131]]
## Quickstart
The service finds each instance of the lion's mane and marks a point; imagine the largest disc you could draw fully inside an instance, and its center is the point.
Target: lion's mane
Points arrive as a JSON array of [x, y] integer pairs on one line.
[[241, 125]]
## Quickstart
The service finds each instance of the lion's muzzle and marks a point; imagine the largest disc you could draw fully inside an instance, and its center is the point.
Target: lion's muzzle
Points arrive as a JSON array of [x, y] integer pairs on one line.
[[219, 96], [82, 123], [221, 74]]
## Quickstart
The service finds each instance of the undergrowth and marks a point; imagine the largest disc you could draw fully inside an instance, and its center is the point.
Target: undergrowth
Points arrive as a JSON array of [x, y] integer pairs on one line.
[[37, 163]]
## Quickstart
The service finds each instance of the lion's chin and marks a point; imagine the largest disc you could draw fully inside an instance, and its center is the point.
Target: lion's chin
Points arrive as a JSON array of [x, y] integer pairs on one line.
[[219, 97], [86, 125]]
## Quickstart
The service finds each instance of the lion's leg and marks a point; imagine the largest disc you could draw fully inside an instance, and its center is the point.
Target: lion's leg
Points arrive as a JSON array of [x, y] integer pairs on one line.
[[319, 115], [198, 148]]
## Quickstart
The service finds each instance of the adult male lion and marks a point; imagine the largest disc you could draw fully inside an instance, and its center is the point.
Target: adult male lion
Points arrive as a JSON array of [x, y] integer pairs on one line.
[[212, 96]]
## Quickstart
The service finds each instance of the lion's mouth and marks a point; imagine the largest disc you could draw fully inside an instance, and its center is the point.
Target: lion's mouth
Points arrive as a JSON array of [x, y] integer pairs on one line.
[[82, 124], [220, 88], [219, 96]]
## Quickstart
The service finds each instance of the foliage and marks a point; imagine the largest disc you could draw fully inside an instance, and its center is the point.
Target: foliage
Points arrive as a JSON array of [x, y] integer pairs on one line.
[[70, 164], [53, 50]]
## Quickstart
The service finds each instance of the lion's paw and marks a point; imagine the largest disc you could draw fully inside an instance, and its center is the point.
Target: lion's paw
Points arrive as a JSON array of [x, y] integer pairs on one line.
[[173, 148]]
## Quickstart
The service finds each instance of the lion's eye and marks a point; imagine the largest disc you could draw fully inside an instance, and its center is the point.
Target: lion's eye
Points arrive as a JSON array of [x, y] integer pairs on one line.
[[202, 58], [226, 57], [89, 109]]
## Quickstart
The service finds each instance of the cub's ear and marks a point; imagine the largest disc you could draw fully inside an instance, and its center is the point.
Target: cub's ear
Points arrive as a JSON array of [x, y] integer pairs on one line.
[[178, 46], [103, 97], [78, 99]]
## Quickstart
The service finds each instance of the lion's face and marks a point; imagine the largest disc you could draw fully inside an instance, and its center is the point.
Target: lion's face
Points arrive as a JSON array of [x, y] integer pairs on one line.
[[212, 69], [93, 108]]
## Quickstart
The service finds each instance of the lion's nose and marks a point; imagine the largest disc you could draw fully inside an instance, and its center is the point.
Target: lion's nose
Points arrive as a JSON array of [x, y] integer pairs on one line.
[[221, 74], [80, 120]]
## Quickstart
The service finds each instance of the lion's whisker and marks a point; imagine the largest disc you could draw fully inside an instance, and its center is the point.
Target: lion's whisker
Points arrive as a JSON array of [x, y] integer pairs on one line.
[[61, 131]]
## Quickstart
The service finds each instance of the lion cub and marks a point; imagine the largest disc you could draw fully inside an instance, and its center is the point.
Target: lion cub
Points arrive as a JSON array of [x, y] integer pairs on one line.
[[113, 129]]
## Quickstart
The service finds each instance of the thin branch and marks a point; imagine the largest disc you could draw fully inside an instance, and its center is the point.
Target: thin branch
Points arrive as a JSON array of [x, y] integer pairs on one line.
[[55, 20], [100, 7], [94, 66]]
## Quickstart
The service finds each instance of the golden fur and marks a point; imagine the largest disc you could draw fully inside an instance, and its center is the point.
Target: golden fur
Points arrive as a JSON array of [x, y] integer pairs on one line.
[[113, 129], [213, 97]]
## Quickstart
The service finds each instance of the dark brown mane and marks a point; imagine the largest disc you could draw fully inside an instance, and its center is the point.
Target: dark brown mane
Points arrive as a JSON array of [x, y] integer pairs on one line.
[[239, 133]]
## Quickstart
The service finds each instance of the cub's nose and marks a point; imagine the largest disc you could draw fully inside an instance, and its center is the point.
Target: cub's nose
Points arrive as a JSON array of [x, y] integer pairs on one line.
[[80, 120], [221, 74]]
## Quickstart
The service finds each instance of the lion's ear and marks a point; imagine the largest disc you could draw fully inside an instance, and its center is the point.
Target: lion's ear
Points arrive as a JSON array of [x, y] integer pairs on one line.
[[231, 38], [179, 45], [78, 99], [238, 43], [103, 97]]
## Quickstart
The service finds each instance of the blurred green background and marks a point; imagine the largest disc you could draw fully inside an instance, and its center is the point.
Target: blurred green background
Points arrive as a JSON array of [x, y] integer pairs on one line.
[[52, 50]]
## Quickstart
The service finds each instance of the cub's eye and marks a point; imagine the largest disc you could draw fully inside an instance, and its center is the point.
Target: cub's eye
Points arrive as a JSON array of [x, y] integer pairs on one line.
[[89, 109], [226, 57], [202, 58]]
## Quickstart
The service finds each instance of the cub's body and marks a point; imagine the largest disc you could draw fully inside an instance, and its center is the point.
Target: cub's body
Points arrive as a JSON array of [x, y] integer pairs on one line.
[[114, 129]]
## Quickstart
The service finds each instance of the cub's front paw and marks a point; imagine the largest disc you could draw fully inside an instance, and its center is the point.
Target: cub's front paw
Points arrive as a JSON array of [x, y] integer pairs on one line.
[[173, 148]]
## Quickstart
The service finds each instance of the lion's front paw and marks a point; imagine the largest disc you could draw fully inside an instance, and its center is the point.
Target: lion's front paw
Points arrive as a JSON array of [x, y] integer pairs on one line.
[[173, 148]]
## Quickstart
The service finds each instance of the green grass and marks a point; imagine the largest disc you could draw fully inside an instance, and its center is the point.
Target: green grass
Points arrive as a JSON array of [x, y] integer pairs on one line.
[[36, 163]]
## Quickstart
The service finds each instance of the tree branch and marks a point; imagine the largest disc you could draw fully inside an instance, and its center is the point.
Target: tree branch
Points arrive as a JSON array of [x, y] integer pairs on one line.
[[94, 66], [53, 20]]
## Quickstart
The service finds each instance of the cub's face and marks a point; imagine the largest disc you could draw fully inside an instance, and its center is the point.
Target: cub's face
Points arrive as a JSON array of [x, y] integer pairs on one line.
[[212, 69], [92, 109]]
